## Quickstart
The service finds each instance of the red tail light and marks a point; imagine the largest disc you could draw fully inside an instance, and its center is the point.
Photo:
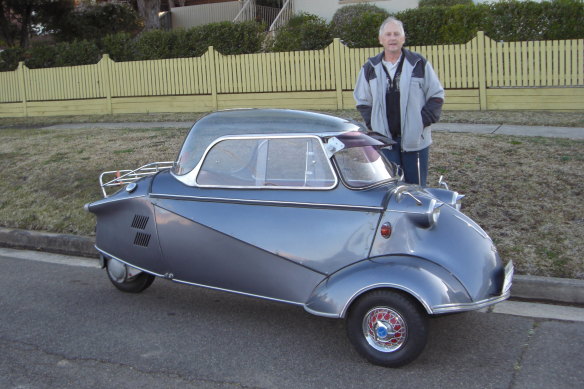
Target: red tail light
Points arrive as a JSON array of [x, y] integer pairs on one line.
[[386, 230]]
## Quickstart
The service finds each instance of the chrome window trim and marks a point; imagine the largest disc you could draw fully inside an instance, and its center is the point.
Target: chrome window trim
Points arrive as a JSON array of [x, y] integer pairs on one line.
[[370, 186], [365, 208], [190, 178]]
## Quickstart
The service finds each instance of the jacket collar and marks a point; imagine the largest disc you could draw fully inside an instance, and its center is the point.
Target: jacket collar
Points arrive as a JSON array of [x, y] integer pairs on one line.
[[410, 56]]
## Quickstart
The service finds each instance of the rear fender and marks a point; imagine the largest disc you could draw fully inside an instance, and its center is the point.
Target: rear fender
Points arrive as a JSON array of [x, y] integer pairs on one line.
[[430, 284]]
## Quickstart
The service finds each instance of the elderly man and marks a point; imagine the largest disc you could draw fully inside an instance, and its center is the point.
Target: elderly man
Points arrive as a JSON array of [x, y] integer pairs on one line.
[[399, 96]]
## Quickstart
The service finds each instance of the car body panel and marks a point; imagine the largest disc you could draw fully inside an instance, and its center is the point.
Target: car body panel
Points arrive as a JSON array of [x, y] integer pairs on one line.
[[427, 282]]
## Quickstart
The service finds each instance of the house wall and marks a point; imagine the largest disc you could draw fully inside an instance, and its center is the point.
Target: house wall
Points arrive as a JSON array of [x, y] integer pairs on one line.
[[327, 8], [196, 15]]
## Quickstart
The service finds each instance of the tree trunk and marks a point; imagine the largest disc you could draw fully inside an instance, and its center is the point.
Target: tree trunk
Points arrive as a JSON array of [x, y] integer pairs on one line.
[[25, 27], [149, 10]]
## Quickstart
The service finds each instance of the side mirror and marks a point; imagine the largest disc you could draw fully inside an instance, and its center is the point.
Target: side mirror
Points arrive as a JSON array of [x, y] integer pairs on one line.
[[443, 183]]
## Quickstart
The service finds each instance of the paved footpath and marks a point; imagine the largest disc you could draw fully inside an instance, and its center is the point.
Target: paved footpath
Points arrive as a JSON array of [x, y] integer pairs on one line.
[[500, 129]]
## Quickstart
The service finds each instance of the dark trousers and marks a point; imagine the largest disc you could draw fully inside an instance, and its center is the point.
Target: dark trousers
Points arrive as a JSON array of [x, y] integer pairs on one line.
[[409, 162]]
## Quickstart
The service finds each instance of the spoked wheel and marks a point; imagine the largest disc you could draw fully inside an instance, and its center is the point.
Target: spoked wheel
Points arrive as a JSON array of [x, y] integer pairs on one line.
[[387, 328], [126, 278]]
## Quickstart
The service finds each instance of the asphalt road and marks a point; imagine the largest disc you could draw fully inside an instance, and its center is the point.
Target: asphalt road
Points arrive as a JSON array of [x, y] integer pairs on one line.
[[62, 325]]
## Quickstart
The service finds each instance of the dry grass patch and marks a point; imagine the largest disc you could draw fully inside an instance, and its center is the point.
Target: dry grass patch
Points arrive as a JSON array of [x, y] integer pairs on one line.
[[526, 192]]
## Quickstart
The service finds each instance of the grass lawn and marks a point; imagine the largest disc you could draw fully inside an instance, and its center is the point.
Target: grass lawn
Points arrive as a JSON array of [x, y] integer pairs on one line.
[[526, 192]]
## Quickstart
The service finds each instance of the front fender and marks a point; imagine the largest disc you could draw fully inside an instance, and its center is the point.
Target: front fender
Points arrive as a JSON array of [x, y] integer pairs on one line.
[[430, 284]]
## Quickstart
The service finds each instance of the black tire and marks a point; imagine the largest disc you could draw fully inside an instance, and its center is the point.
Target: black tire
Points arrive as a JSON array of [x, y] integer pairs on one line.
[[135, 284], [387, 328]]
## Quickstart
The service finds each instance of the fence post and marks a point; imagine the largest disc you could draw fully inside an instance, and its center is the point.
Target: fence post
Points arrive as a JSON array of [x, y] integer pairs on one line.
[[105, 76], [20, 70], [337, 71], [482, 58], [213, 75]]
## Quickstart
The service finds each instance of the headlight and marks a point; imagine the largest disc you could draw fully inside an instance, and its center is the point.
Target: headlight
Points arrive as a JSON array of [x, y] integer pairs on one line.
[[429, 217]]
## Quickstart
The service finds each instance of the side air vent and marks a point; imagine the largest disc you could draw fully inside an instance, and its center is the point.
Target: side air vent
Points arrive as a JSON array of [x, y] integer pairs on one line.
[[142, 239], [140, 222]]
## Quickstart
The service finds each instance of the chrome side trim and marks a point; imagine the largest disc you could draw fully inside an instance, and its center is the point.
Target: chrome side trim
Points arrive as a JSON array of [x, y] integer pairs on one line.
[[462, 307], [109, 201], [384, 285], [269, 202], [106, 254], [236, 292], [322, 314]]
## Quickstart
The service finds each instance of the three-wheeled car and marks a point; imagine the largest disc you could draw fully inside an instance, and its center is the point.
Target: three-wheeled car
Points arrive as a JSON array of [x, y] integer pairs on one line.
[[302, 208]]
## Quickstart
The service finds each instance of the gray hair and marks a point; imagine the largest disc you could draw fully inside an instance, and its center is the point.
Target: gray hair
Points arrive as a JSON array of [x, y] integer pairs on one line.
[[391, 19]]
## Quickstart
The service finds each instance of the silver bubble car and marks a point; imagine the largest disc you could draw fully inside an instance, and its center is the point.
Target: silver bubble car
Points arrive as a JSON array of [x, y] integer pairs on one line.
[[301, 208]]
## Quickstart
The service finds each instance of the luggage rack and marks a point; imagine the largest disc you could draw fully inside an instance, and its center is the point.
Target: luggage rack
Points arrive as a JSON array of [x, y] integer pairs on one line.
[[117, 178]]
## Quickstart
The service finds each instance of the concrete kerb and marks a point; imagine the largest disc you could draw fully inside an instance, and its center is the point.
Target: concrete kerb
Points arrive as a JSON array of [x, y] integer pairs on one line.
[[546, 289]]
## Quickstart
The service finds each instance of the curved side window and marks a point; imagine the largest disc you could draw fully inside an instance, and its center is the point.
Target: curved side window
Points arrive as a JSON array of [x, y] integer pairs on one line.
[[273, 162], [363, 167]]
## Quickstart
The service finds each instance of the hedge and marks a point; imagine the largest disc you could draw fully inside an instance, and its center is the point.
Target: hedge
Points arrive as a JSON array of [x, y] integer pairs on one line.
[[303, 32], [501, 21], [227, 38]]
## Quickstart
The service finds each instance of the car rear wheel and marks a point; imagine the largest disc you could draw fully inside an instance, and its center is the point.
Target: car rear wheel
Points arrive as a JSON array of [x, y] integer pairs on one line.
[[126, 278], [387, 328]]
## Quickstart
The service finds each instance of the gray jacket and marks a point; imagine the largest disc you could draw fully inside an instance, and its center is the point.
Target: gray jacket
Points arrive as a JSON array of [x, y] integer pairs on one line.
[[421, 99]]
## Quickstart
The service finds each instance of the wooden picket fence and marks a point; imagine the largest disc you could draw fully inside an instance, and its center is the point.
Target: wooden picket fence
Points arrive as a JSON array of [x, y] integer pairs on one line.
[[479, 75]]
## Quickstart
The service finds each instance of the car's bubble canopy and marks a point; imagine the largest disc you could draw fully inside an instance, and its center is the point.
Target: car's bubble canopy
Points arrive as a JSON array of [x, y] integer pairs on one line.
[[255, 121]]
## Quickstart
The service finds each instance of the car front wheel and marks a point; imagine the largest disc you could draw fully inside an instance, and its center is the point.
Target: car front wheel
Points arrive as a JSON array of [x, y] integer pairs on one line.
[[126, 278], [387, 328]]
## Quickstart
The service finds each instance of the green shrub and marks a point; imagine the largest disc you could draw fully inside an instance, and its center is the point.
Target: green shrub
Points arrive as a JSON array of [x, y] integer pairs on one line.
[[77, 53], [501, 21], [443, 25], [232, 38], [155, 44], [41, 56], [226, 37], [9, 58], [443, 3], [303, 32], [120, 47], [564, 19], [358, 25]]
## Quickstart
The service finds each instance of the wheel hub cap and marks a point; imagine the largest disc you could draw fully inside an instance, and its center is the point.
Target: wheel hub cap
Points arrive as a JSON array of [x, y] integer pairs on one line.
[[384, 329]]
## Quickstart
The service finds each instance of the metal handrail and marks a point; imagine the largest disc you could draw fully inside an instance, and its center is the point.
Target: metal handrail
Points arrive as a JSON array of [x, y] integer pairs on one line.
[[123, 177], [283, 17], [247, 12]]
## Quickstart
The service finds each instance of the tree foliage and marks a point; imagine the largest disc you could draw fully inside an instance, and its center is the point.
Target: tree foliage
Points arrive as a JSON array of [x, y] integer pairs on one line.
[[97, 21], [18, 18]]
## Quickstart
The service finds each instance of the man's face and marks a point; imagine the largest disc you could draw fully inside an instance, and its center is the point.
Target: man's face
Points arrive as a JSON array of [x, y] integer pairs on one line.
[[392, 38]]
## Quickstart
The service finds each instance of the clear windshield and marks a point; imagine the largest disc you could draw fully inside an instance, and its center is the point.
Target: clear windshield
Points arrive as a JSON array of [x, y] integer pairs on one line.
[[364, 166]]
